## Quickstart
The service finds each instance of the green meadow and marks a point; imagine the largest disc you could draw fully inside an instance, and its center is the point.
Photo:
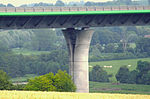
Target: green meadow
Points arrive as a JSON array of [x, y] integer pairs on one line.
[[98, 87]]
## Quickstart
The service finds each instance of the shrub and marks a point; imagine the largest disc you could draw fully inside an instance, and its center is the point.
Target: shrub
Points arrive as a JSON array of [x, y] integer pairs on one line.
[[61, 81], [98, 74], [5, 84]]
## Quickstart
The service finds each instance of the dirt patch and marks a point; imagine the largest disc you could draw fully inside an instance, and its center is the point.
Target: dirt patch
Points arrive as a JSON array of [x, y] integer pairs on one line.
[[115, 83]]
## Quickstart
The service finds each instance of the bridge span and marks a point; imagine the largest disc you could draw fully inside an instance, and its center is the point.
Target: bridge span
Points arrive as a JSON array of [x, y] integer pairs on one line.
[[71, 18]]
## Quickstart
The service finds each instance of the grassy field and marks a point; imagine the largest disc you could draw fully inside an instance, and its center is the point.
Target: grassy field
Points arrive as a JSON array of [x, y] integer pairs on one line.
[[63, 95], [97, 87], [116, 64], [29, 52]]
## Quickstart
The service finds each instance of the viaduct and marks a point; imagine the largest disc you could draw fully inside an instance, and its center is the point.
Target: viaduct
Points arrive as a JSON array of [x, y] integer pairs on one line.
[[76, 23]]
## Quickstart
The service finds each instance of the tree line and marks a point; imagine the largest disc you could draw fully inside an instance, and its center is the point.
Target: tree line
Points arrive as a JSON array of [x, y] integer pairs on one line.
[[19, 65]]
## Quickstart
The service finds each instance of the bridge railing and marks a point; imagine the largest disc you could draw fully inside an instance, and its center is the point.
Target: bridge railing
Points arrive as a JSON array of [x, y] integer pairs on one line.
[[69, 9]]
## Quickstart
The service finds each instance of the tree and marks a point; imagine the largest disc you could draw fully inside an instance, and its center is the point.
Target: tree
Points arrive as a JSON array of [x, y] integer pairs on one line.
[[42, 83], [98, 74], [94, 51], [44, 40], [126, 2], [59, 3], [88, 3], [143, 45], [5, 84], [110, 48], [123, 74], [143, 76], [2, 5], [125, 37], [132, 77], [42, 4], [3, 48], [61, 81], [9, 5]]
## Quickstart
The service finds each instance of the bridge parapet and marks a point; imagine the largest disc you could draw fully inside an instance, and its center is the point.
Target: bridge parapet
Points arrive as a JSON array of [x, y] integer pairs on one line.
[[71, 9]]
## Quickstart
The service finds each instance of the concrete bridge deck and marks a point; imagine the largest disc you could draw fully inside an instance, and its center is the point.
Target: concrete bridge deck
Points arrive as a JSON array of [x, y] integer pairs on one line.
[[71, 17]]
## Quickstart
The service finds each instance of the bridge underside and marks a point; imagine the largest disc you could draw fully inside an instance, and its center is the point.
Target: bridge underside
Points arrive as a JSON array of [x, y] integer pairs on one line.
[[73, 21]]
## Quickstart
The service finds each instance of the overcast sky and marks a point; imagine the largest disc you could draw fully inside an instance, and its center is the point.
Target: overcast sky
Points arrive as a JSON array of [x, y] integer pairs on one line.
[[20, 2]]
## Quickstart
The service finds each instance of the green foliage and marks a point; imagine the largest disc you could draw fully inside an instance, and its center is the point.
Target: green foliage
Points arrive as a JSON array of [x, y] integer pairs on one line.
[[123, 75], [3, 48], [61, 81], [98, 74], [5, 84], [143, 76], [43, 40], [42, 83], [19, 65], [15, 38], [104, 36], [133, 77], [110, 48], [143, 66], [143, 46]]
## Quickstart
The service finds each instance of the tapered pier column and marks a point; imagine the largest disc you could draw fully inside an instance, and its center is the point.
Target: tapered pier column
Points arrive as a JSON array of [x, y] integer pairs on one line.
[[78, 42]]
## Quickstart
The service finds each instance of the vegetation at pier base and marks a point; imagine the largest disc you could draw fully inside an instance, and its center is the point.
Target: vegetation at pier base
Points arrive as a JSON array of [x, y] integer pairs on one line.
[[61, 81], [5, 84]]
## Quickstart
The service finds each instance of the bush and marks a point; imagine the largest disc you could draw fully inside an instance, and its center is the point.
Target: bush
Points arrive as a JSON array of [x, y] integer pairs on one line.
[[61, 81], [143, 69], [5, 84], [98, 74], [132, 77], [123, 75]]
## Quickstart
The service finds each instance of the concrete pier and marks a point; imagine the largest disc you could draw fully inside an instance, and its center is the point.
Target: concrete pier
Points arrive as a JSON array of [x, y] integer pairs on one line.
[[78, 42]]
